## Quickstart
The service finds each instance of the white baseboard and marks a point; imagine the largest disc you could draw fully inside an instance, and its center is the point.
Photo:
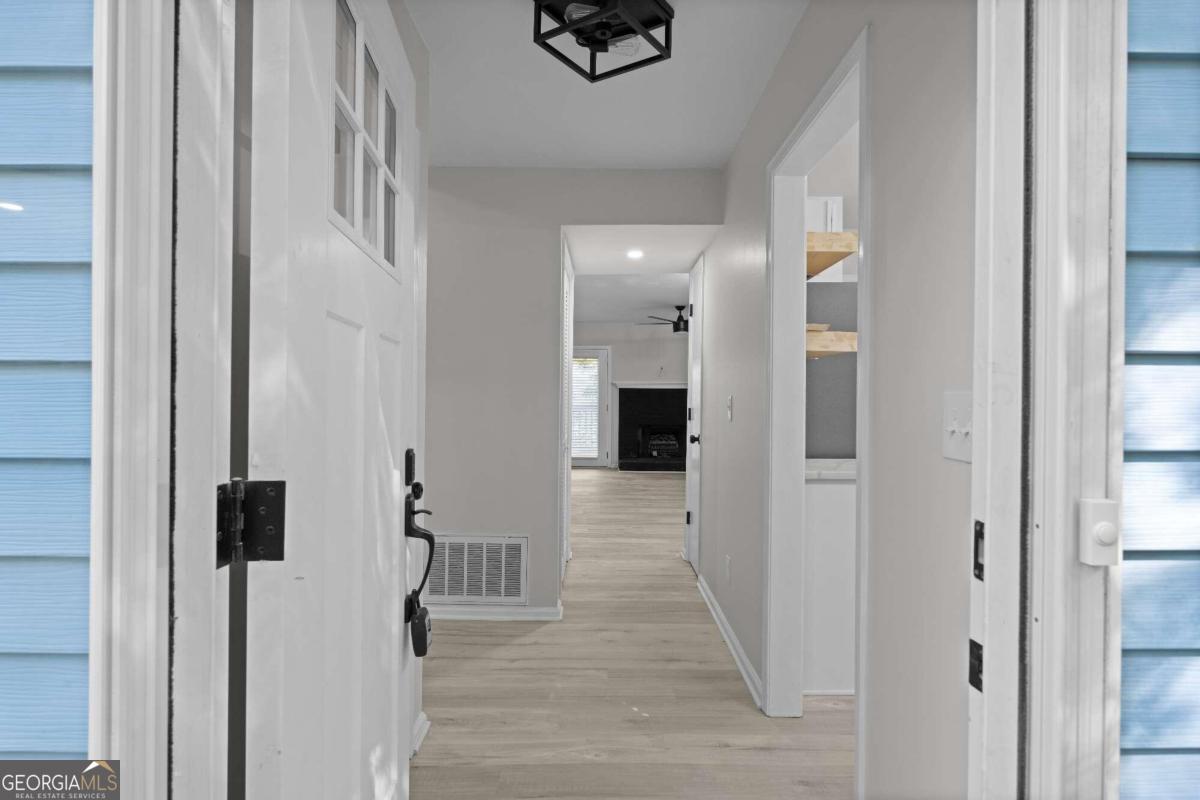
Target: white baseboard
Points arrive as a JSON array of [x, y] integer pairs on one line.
[[829, 693], [753, 682], [497, 612], [420, 730]]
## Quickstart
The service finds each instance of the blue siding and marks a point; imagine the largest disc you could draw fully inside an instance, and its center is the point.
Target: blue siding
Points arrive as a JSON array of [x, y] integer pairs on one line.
[[1163, 205], [1164, 107], [44, 112], [45, 375], [48, 33], [1160, 601], [1163, 295], [1146, 776], [46, 312], [44, 507], [1164, 27], [45, 704], [56, 224]]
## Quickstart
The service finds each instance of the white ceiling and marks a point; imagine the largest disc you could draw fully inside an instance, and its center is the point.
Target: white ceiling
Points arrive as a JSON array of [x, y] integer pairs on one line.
[[611, 287], [499, 100], [629, 298], [601, 249]]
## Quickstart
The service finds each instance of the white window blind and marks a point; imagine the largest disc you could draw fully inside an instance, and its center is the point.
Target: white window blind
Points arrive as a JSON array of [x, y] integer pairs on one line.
[[585, 407]]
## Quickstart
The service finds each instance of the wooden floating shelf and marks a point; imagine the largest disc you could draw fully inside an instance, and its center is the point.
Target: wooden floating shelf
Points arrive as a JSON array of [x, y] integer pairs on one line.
[[827, 249], [824, 342]]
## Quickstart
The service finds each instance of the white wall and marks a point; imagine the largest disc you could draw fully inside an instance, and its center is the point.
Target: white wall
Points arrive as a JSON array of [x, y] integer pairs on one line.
[[639, 352], [493, 333], [836, 174], [828, 614], [921, 81]]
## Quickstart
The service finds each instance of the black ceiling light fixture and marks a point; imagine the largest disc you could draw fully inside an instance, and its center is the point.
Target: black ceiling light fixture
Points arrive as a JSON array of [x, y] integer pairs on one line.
[[605, 26], [678, 325]]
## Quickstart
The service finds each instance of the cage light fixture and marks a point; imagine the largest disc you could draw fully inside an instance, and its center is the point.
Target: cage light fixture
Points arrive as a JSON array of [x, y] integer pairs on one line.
[[605, 26]]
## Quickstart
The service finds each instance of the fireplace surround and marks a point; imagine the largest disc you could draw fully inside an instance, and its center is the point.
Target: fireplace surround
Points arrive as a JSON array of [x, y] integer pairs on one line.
[[652, 429]]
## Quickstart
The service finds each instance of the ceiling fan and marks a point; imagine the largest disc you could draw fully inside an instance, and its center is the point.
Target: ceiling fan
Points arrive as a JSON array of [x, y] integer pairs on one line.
[[678, 325]]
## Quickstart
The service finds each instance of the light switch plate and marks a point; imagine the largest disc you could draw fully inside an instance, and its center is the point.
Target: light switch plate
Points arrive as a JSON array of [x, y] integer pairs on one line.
[[956, 426]]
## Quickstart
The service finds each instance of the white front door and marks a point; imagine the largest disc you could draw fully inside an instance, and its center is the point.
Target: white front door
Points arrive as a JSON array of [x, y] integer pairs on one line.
[[691, 531], [333, 399]]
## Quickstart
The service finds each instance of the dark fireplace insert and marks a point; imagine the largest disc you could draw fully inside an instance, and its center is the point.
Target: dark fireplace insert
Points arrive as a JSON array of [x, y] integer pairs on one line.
[[652, 431]]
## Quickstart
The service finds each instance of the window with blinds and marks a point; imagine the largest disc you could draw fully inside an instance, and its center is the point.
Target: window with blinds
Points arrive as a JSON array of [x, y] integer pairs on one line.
[[585, 407]]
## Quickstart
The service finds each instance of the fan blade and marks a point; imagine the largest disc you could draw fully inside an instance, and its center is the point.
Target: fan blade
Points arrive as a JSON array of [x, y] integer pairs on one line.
[[664, 319]]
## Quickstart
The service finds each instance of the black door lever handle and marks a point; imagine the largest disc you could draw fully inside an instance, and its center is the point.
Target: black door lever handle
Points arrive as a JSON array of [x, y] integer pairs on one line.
[[422, 511]]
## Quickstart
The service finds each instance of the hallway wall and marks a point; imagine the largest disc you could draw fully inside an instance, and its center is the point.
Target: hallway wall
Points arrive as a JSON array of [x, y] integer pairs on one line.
[[639, 352], [493, 335], [921, 80]]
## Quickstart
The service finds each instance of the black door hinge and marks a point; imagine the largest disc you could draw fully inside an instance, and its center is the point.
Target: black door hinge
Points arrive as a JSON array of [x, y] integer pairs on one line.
[[687, 519], [978, 569], [250, 521], [975, 676]]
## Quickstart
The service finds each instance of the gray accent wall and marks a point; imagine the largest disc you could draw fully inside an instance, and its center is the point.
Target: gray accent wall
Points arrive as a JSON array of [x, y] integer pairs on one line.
[[831, 381]]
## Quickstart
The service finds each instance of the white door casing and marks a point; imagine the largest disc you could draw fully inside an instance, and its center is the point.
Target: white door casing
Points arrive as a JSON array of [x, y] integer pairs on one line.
[[841, 103], [332, 410], [691, 531], [204, 174], [567, 346]]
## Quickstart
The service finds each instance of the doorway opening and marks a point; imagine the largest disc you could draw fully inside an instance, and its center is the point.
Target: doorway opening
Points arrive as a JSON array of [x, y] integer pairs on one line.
[[818, 283], [631, 344]]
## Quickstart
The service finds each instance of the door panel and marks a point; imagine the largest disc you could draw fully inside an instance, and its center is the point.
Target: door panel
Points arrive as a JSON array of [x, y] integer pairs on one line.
[[332, 410]]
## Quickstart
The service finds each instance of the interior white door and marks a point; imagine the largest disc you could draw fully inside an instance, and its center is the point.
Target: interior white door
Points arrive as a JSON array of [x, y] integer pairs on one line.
[[332, 399], [691, 531]]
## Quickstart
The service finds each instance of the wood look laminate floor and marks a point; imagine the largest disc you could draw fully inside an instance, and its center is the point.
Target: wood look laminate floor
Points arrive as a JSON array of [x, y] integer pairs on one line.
[[632, 695]]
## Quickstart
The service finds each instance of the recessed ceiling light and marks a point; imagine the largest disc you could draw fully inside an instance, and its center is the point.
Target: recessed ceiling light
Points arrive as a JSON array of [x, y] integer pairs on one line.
[[635, 254], [7, 206]]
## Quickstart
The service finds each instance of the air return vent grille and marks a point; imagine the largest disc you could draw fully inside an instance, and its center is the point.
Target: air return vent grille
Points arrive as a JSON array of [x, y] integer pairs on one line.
[[478, 569]]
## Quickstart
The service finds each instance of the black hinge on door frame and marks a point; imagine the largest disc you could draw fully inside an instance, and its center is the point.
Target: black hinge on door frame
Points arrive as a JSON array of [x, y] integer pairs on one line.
[[687, 519], [978, 566], [250, 516], [975, 672]]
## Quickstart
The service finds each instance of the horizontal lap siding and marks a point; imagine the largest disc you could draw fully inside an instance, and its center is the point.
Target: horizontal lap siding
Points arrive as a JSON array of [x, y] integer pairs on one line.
[[45, 376], [1160, 608]]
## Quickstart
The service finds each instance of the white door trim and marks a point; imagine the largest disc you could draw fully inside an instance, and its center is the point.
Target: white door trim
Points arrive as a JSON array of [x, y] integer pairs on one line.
[[134, 79], [693, 476], [997, 425], [782, 674], [566, 326], [1077, 416], [204, 175]]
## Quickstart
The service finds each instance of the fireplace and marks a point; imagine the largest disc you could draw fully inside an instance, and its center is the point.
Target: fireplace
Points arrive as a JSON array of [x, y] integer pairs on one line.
[[652, 429]]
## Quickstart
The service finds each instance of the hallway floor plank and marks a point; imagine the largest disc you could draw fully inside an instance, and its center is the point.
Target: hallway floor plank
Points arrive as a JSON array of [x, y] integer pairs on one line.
[[632, 695]]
